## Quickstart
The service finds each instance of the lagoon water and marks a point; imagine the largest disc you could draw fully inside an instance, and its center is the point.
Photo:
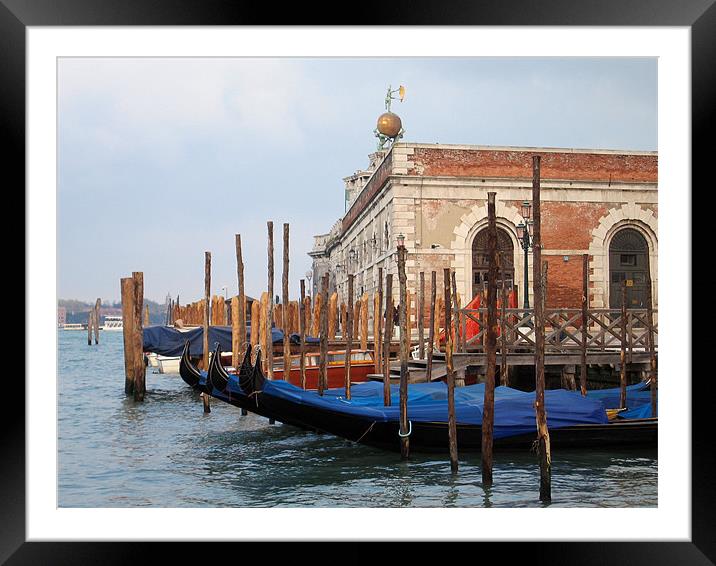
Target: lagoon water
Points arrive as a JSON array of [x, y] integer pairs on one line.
[[114, 452]]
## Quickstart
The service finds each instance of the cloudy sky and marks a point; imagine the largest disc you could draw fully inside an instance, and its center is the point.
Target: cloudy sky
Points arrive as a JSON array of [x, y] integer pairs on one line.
[[160, 160]]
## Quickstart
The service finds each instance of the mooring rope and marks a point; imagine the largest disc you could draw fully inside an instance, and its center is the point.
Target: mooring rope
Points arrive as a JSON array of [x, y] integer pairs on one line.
[[367, 431]]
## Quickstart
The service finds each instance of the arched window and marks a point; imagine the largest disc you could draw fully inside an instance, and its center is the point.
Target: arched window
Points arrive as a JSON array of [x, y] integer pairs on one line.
[[480, 260], [628, 265]]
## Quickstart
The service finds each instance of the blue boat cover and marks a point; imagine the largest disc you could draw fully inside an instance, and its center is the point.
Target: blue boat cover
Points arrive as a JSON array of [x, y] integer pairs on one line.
[[640, 412], [427, 402], [168, 341], [637, 395]]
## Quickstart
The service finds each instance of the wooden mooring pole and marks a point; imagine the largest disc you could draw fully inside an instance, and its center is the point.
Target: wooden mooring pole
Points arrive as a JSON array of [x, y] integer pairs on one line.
[[585, 324], [543, 448], [420, 316], [323, 357], [652, 345], [504, 370], [127, 289], [138, 350], [97, 308], [269, 315], [349, 336], [488, 412], [90, 325], [404, 342], [452, 425], [387, 337], [239, 348], [622, 356], [378, 322], [302, 334], [285, 310], [431, 330], [205, 342]]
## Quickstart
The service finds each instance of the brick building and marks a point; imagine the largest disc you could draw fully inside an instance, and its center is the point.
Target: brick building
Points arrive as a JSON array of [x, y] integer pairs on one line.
[[599, 202]]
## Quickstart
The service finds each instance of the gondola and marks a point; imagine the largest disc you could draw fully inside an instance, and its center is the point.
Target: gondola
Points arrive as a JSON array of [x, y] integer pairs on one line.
[[188, 372], [380, 428]]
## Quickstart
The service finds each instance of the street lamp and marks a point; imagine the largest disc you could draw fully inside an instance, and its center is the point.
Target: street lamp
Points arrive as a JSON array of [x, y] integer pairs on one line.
[[309, 275], [523, 235], [401, 240]]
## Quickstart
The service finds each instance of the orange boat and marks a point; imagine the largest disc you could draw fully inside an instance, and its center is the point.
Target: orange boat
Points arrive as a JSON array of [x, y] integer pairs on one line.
[[362, 363]]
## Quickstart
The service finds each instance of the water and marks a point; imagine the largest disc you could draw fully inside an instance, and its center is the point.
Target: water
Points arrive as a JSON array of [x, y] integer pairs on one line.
[[114, 452]]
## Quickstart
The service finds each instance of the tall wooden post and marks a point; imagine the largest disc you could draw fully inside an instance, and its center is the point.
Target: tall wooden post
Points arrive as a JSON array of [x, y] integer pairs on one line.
[[302, 334], [139, 368], [378, 324], [456, 321], [332, 315], [622, 356], [323, 358], [315, 330], [431, 330], [504, 372], [146, 316], [404, 342], [388, 336], [349, 336], [488, 412], [235, 333], [364, 322], [127, 289], [545, 489], [452, 425], [238, 348], [90, 325], [269, 317], [285, 312], [420, 315], [97, 307], [585, 323], [652, 345], [205, 342], [255, 322]]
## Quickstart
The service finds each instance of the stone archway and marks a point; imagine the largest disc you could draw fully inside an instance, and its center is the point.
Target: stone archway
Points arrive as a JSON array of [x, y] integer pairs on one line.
[[631, 215], [508, 217]]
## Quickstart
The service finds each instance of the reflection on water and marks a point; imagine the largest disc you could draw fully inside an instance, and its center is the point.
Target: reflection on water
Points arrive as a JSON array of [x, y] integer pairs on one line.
[[166, 452]]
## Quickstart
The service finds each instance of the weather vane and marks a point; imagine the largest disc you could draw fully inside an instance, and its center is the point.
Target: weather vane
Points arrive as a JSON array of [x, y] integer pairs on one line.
[[390, 127]]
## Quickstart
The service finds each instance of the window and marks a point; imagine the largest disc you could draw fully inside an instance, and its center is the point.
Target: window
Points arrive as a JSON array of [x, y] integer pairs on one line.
[[627, 259]]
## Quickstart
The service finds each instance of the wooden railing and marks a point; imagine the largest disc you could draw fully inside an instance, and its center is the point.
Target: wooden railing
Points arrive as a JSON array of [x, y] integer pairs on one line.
[[563, 330]]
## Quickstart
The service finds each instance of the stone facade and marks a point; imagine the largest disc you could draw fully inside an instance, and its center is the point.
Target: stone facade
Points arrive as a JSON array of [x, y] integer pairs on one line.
[[436, 196]]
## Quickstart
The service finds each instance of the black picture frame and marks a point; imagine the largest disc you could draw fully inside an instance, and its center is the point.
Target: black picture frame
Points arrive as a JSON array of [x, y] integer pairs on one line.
[[698, 15]]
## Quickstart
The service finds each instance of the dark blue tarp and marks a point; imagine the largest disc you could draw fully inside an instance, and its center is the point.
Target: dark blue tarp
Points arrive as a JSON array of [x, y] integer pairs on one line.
[[168, 341], [427, 402], [637, 395], [640, 412]]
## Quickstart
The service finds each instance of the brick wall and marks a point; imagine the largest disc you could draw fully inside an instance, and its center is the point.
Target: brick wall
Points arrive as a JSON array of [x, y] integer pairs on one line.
[[554, 165]]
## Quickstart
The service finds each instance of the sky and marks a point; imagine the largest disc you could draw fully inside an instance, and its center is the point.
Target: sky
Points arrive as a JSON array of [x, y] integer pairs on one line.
[[162, 159]]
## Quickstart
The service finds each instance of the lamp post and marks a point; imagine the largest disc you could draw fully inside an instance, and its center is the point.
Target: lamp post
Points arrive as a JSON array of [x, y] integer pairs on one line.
[[523, 235], [309, 276]]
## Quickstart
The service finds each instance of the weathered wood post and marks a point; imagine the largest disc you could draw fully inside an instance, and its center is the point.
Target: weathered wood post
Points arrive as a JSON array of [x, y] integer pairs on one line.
[[431, 330], [488, 412], [146, 317], [255, 322], [90, 325], [323, 358], [452, 425], [652, 345], [504, 371], [97, 307], [376, 328], [388, 336], [235, 333], [349, 336], [357, 318], [269, 317], [364, 322], [420, 316], [585, 324], [127, 289], [456, 321], [315, 331], [332, 315], [622, 354], [138, 350], [285, 310], [404, 342], [205, 341], [543, 449], [302, 334], [238, 348]]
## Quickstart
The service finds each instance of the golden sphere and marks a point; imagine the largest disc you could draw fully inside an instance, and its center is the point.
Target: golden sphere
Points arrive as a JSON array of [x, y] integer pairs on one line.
[[389, 124]]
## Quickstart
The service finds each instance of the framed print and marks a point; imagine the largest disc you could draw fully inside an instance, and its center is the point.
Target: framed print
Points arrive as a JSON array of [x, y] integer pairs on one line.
[[251, 117]]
